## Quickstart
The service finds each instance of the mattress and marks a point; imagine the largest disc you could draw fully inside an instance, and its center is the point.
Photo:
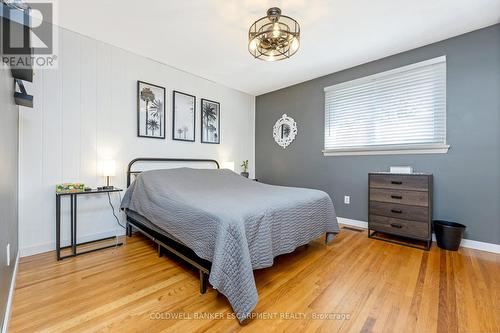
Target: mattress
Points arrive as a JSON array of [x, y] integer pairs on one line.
[[150, 225]]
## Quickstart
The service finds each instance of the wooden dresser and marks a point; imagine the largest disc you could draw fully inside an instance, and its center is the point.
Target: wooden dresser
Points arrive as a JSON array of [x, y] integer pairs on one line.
[[401, 205]]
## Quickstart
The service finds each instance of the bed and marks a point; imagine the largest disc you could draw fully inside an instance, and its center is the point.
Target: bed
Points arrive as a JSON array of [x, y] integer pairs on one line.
[[224, 224]]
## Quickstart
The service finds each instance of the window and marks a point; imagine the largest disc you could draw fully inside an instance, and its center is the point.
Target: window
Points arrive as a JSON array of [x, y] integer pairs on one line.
[[401, 111]]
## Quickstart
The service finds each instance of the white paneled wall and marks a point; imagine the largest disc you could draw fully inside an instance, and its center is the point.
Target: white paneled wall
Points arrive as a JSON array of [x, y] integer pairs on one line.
[[85, 111]]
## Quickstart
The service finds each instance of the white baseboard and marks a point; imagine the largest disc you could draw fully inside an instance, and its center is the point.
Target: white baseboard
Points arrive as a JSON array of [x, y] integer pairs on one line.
[[351, 222], [46, 247], [488, 247], [8, 308], [467, 243]]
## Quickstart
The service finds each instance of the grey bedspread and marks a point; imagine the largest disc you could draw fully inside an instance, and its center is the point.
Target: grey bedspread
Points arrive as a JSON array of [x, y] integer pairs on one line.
[[237, 224]]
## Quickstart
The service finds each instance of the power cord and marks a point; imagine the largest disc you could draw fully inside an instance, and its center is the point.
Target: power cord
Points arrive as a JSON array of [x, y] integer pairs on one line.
[[113, 210]]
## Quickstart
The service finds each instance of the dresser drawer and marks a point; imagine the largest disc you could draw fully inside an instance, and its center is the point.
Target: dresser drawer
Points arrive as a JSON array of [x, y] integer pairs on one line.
[[413, 213], [414, 198], [400, 182], [399, 227]]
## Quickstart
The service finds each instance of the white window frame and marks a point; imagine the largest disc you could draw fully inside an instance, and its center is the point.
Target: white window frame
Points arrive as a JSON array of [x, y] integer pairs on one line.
[[392, 149]]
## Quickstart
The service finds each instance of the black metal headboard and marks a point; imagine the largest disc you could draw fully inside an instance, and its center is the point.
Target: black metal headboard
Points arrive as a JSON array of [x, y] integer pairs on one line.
[[154, 159]]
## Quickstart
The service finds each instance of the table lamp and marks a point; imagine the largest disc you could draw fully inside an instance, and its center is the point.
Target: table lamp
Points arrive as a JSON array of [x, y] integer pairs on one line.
[[108, 168]]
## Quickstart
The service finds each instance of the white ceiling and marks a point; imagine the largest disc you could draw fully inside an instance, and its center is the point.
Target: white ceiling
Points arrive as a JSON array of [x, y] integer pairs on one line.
[[209, 37]]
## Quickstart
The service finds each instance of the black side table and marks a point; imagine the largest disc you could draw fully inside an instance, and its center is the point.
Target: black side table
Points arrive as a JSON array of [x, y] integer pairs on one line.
[[73, 199]]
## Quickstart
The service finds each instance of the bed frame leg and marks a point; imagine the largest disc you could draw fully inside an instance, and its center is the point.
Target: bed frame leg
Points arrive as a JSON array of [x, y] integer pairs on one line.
[[203, 282], [159, 251], [128, 229], [329, 237]]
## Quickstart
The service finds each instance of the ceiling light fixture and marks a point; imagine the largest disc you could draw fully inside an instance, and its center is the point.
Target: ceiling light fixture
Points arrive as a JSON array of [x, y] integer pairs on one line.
[[274, 37]]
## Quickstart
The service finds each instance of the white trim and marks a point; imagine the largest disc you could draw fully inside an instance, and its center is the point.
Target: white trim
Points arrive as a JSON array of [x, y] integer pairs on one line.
[[483, 246], [467, 243], [8, 308], [351, 222], [389, 150], [47, 247], [389, 72]]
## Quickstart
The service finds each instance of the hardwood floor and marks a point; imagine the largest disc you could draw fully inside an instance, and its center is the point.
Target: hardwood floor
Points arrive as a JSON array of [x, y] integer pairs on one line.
[[363, 285]]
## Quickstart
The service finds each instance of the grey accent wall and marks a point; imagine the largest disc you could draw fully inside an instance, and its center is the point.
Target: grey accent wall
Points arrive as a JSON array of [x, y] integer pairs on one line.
[[9, 138], [467, 179]]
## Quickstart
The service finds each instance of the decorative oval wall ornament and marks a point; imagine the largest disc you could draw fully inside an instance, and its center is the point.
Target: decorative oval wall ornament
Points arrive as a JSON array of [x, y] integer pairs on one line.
[[284, 131]]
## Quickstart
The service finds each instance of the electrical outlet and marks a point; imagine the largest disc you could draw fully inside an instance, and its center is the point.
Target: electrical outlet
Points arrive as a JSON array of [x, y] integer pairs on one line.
[[8, 254], [347, 199]]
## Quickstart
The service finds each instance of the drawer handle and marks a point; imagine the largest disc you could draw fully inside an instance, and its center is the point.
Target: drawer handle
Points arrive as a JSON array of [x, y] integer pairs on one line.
[[396, 182], [397, 197], [396, 211], [395, 225]]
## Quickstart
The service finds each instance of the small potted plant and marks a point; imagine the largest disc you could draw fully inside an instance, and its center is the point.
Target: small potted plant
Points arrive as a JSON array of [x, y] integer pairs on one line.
[[244, 165]]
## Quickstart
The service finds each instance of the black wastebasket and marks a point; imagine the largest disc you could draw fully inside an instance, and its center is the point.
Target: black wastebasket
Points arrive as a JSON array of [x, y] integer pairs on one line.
[[448, 234]]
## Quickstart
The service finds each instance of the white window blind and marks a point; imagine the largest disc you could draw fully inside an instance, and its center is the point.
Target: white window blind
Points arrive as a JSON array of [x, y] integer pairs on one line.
[[398, 111]]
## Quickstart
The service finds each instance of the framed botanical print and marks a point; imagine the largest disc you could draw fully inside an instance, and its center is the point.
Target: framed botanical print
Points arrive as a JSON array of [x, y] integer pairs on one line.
[[210, 121], [150, 110], [184, 111]]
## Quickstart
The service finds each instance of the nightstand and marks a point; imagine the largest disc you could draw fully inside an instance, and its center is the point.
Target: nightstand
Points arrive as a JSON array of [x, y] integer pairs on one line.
[[73, 211]]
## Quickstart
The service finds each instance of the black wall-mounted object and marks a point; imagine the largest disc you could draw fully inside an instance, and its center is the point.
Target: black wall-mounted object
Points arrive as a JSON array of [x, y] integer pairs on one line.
[[21, 97], [25, 74], [15, 21]]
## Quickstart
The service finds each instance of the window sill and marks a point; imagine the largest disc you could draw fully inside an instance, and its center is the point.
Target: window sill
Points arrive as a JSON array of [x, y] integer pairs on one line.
[[399, 150]]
